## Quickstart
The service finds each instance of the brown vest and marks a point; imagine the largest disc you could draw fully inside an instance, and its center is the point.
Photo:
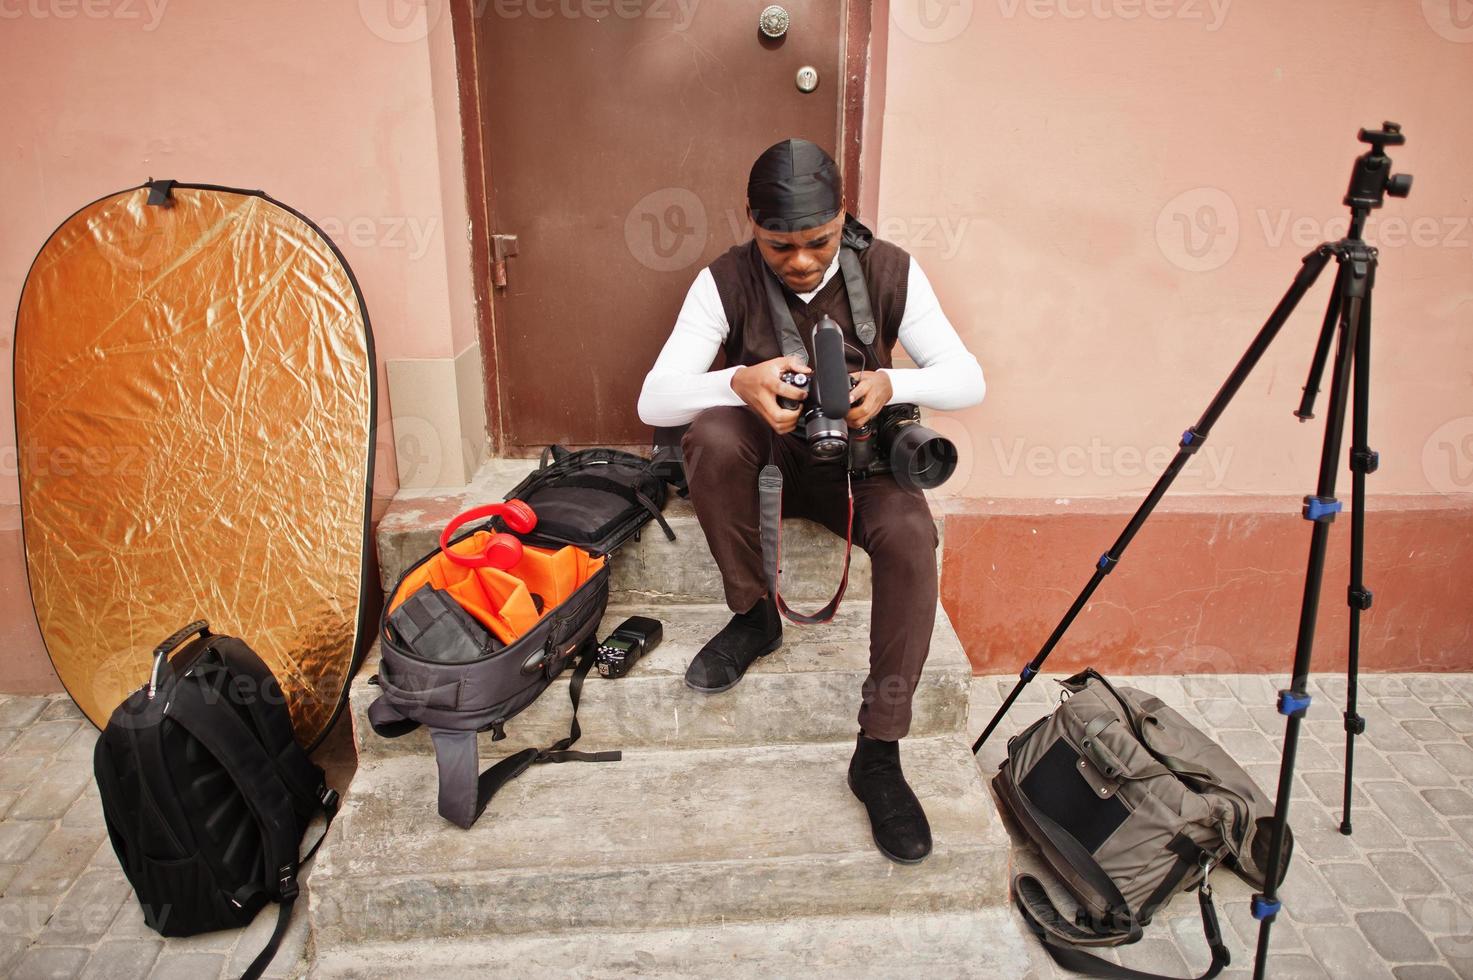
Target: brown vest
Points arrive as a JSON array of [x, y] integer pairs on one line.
[[752, 336]]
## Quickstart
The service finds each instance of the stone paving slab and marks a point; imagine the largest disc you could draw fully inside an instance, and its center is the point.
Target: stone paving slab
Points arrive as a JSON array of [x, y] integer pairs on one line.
[[1387, 901]]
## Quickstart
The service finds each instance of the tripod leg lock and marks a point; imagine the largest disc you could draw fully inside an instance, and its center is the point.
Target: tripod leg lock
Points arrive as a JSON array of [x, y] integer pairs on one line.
[[1293, 704], [1321, 509], [1191, 441], [1359, 598], [1365, 461], [1354, 723], [1264, 907], [1029, 672], [1107, 563]]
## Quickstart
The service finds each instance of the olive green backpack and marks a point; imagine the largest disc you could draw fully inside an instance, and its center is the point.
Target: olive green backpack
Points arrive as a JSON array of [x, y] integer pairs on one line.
[[1128, 804]]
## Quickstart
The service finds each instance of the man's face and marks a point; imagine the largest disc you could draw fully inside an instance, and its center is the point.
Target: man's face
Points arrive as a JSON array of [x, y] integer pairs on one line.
[[799, 257]]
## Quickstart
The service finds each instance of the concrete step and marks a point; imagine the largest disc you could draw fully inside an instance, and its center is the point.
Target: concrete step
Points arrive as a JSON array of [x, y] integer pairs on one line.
[[806, 690], [984, 943], [660, 840], [652, 567]]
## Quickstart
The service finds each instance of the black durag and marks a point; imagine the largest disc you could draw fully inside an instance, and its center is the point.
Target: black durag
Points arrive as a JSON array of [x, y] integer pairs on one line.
[[794, 185]]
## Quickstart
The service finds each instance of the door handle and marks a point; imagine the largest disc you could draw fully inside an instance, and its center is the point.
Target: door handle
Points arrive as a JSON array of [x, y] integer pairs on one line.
[[503, 247]]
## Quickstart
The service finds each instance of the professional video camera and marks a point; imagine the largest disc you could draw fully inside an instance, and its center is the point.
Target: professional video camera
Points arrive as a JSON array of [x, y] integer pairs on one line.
[[825, 402], [894, 441]]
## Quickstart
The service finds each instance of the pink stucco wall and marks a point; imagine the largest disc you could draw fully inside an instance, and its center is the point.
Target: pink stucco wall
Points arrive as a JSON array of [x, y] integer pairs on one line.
[[346, 111], [1111, 195]]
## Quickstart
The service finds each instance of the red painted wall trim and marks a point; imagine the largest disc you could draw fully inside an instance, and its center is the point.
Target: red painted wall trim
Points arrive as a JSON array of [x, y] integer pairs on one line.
[[1209, 585]]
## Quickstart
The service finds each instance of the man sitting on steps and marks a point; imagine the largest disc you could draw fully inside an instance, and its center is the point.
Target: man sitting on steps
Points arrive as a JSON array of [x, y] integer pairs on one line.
[[798, 225]]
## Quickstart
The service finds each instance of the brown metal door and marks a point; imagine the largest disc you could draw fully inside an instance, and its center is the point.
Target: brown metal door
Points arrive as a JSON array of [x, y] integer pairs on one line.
[[617, 135]]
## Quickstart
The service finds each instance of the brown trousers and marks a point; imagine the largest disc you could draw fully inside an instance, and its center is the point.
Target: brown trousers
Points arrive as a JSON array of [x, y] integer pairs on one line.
[[724, 450]]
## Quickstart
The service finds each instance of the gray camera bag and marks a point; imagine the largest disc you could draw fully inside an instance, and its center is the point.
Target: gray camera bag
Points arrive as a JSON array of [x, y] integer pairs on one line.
[[1128, 804], [457, 701]]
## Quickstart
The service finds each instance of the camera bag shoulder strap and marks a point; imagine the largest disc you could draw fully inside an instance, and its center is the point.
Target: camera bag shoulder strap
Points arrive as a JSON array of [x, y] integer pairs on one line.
[[1061, 938], [464, 794]]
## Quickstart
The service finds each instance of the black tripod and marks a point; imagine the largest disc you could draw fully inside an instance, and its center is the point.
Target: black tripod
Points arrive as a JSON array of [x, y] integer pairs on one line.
[[1348, 315]]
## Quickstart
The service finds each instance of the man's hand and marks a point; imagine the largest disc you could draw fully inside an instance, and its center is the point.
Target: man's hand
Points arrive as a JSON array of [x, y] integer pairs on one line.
[[760, 384], [872, 394]]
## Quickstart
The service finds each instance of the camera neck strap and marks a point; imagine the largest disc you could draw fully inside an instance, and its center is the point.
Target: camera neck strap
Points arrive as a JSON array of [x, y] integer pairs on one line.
[[788, 339], [770, 505]]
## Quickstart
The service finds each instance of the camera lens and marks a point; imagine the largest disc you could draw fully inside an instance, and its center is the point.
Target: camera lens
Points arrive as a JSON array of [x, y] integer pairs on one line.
[[827, 439], [921, 458]]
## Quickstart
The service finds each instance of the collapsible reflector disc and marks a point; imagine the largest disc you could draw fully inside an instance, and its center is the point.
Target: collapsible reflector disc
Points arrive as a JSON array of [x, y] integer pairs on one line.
[[194, 407]]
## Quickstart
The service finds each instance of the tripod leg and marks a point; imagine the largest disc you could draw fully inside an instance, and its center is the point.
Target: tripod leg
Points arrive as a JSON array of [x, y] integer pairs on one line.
[[1305, 412], [1191, 441], [1320, 509], [1363, 461]]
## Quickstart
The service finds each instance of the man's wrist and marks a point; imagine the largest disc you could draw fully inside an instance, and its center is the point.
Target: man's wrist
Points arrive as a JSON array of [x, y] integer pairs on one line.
[[896, 378]]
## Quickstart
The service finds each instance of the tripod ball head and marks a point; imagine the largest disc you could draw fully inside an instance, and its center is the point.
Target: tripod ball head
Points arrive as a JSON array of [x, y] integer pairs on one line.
[[1372, 179]]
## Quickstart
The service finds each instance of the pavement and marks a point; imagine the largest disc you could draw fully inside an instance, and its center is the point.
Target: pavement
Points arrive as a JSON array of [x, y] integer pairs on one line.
[[1395, 899]]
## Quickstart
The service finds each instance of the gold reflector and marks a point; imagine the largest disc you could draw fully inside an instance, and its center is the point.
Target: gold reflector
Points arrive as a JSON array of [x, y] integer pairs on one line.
[[194, 404]]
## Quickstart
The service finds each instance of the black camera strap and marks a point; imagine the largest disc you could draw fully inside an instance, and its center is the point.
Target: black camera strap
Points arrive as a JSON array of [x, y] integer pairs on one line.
[[770, 480], [770, 505], [857, 288]]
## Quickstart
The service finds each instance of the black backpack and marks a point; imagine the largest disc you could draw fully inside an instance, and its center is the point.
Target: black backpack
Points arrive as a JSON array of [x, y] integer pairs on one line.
[[206, 792]]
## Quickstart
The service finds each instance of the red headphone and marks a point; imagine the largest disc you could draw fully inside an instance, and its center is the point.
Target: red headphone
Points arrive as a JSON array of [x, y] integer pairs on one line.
[[503, 550]]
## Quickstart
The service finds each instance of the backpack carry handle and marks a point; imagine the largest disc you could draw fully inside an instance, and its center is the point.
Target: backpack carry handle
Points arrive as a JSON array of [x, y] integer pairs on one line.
[[200, 626]]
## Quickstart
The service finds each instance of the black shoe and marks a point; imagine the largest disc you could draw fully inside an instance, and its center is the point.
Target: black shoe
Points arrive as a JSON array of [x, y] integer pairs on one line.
[[727, 655], [896, 819]]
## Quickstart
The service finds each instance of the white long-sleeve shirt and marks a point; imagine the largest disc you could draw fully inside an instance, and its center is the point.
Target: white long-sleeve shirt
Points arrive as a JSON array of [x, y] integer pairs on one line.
[[679, 386]]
